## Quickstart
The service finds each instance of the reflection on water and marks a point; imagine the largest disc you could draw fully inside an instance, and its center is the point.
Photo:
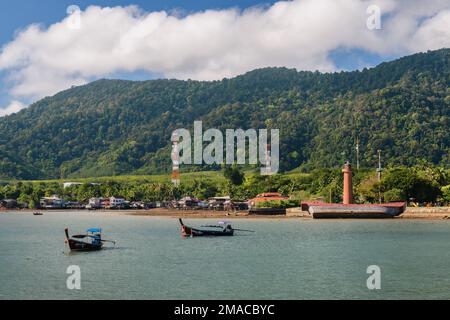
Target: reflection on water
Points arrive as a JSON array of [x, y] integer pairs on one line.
[[283, 259]]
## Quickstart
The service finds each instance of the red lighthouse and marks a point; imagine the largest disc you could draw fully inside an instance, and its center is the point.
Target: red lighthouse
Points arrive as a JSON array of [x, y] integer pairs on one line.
[[348, 185]]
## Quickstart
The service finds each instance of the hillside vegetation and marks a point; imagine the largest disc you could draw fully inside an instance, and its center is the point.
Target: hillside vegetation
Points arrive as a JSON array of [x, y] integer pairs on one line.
[[114, 127]]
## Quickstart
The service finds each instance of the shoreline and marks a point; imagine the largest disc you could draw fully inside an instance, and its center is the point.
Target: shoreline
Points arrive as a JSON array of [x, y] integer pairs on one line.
[[202, 214], [437, 213]]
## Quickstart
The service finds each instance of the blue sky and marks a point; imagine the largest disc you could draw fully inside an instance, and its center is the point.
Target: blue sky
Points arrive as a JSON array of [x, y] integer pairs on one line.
[[17, 14], [302, 34]]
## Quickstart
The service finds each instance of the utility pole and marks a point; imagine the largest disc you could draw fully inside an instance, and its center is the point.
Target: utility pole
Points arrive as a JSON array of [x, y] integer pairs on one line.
[[357, 153], [331, 198]]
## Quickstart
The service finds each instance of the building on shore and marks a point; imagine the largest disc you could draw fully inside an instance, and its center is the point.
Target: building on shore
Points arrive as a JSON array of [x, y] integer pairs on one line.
[[94, 203], [9, 204], [188, 202], [219, 203], [71, 184], [116, 203], [53, 202]]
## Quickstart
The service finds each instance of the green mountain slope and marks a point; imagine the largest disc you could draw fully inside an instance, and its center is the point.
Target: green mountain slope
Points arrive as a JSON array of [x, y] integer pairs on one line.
[[112, 127]]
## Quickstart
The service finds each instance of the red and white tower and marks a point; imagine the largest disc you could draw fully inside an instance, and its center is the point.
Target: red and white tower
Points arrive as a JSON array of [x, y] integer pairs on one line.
[[175, 159]]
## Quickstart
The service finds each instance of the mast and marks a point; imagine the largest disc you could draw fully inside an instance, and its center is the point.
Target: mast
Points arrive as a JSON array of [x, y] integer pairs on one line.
[[379, 169], [379, 166]]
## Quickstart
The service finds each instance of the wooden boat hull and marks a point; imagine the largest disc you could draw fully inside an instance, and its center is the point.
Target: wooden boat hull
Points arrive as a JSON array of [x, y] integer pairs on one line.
[[191, 232], [75, 245]]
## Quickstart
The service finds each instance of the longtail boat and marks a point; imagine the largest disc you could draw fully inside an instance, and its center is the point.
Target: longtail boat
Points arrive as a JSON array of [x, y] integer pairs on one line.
[[91, 241], [222, 229]]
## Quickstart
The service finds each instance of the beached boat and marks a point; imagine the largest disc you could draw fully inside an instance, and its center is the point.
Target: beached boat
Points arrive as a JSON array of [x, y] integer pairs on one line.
[[348, 209], [91, 241], [320, 210], [222, 229]]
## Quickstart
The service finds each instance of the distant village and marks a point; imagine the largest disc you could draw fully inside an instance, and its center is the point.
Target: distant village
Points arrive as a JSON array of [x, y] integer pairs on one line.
[[223, 203]]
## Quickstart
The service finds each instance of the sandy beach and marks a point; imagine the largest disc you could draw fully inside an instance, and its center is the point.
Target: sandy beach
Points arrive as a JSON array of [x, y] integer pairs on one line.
[[420, 213], [437, 213], [201, 214]]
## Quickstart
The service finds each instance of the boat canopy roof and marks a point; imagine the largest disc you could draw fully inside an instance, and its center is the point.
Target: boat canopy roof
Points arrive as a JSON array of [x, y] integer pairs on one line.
[[94, 230]]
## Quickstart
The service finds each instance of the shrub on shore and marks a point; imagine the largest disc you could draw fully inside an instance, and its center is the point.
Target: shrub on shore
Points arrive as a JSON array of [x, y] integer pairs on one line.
[[278, 204]]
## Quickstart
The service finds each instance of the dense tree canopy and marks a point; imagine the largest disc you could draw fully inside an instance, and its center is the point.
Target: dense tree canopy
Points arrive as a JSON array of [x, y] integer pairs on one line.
[[112, 127], [419, 184]]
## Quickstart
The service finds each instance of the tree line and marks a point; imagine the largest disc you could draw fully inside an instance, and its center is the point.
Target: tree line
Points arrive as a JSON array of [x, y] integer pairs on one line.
[[421, 184]]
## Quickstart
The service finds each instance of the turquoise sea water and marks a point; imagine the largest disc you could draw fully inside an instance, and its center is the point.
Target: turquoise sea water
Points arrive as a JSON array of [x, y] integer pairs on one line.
[[283, 259]]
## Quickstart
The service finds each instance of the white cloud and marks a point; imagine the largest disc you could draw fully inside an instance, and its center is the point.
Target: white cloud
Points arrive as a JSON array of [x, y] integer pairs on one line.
[[215, 43], [13, 107], [434, 33]]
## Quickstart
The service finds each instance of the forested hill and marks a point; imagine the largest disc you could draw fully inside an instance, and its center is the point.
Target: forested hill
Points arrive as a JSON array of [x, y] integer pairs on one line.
[[112, 127]]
